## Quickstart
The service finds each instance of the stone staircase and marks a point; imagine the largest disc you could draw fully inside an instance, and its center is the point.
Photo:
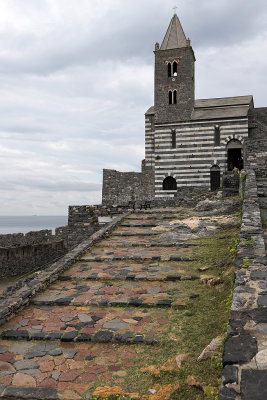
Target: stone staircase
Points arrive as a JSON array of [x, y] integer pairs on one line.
[[101, 316]]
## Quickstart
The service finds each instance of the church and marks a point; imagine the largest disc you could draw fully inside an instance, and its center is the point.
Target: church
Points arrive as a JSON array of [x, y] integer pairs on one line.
[[189, 143]]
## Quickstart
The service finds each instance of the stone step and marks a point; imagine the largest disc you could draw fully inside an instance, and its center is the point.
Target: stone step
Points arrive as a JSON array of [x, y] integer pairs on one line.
[[147, 217], [73, 323], [139, 271], [137, 258], [138, 230], [102, 294], [147, 241], [55, 370], [158, 211], [141, 253], [134, 234], [140, 224]]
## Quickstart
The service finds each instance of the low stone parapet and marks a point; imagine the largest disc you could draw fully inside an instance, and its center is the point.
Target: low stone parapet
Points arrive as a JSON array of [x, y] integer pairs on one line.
[[245, 351]]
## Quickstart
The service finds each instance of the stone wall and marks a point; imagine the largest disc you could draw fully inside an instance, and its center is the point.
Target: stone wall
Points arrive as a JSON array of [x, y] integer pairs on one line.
[[20, 239], [230, 184], [23, 259], [24, 253], [255, 149], [121, 187], [245, 351]]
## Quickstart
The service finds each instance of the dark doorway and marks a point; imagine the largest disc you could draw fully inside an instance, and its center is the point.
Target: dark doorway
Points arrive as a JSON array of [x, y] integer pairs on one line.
[[169, 183], [234, 157], [215, 178]]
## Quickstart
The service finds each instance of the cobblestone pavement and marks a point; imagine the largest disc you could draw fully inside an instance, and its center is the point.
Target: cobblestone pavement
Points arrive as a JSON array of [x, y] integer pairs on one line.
[[101, 316]]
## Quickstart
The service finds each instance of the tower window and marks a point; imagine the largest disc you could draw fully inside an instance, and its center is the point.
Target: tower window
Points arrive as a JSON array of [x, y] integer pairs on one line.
[[217, 135], [174, 68], [173, 138], [170, 97], [169, 69], [175, 97]]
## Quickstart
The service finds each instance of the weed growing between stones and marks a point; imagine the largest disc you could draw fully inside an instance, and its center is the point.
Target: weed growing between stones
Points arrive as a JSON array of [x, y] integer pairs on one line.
[[263, 219], [248, 242], [245, 263]]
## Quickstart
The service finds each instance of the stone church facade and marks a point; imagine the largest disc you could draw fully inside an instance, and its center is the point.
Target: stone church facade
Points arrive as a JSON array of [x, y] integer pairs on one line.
[[189, 144]]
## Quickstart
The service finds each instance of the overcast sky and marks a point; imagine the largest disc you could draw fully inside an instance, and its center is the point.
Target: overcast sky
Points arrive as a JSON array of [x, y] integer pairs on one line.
[[77, 78]]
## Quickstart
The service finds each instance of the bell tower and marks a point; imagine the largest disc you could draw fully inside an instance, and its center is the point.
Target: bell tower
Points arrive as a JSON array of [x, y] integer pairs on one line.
[[174, 76]]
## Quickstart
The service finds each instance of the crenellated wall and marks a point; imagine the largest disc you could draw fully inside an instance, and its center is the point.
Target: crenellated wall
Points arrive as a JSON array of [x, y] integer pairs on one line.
[[23, 259], [24, 253]]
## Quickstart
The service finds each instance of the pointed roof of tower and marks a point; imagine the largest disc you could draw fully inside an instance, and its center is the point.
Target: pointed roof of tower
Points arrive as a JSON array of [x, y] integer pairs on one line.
[[175, 37]]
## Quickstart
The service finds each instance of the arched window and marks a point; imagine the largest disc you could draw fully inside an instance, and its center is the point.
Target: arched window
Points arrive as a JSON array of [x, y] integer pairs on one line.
[[169, 183], [174, 68], [169, 69], [175, 97], [173, 138], [217, 135], [170, 97]]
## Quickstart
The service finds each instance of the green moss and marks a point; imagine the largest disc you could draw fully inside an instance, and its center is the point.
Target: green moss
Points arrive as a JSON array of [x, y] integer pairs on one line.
[[246, 263]]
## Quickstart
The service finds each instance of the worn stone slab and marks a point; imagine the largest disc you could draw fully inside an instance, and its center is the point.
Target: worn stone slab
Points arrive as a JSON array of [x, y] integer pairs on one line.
[[23, 393], [239, 349], [254, 384]]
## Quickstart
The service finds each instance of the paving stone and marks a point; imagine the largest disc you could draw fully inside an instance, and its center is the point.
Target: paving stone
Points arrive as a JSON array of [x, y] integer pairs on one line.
[[84, 337], [25, 364], [239, 349], [24, 322], [15, 335], [5, 366], [56, 375], [228, 394], [261, 359], [23, 393], [34, 354], [70, 353], [55, 352], [193, 296], [103, 336], [39, 336], [230, 374], [254, 384], [25, 380], [153, 290], [3, 349], [69, 336], [84, 318], [116, 325], [31, 372], [262, 301], [66, 319]]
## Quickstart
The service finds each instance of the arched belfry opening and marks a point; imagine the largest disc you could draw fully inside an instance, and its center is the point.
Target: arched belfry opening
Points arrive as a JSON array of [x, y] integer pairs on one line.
[[169, 183], [234, 154], [215, 178]]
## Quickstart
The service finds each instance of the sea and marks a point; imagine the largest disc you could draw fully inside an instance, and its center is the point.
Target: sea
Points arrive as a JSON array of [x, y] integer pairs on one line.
[[9, 224]]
